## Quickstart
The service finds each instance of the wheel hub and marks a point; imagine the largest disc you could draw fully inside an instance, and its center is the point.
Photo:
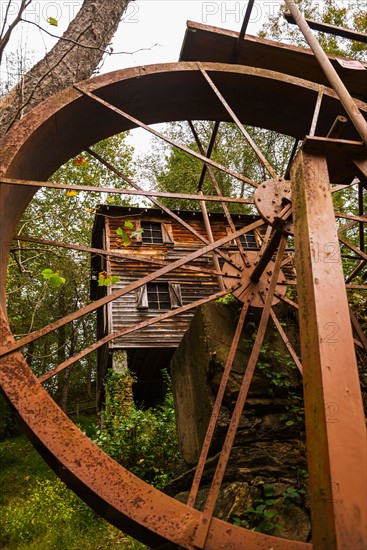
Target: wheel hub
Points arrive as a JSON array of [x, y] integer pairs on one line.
[[248, 291], [271, 199]]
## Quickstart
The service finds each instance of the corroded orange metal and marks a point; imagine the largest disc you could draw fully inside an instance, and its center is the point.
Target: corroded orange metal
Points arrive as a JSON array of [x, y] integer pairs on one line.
[[335, 427], [72, 121]]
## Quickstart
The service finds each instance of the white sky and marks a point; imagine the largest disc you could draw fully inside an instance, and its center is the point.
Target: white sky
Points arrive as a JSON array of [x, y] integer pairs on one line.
[[145, 23], [156, 27]]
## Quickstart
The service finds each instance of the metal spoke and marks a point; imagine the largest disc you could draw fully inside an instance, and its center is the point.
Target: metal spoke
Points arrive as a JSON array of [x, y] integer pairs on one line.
[[287, 172], [165, 138], [358, 328], [114, 190], [204, 525], [356, 287], [115, 254], [8, 348], [239, 125], [286, 340], [362, 219], [216, 408], [209, 152], [287, 300], [123, 332], [157, 203], [217, 188], [356, 271], [353, 247], [336, 82]]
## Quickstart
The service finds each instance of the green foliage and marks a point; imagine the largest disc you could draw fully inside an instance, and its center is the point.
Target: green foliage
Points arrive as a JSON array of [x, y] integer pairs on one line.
[[350, 15], [170, 169], [294, 410], [292, 494], [53, 278], [31, 304], [127, 234], [104, 279], [261, 517], [144, 441], [8, 425], [227, 299], [268, 359], [52, 21], [39, 512]]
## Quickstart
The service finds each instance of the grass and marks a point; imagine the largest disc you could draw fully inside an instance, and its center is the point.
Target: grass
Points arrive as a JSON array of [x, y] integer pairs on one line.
[[38, 512]]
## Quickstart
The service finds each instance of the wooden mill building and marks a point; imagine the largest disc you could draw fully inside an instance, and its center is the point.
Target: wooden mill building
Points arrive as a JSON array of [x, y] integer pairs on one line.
[[156, 239]]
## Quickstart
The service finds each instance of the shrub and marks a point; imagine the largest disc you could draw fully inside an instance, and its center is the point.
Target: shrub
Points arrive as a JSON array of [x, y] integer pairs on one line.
[[143, 441]]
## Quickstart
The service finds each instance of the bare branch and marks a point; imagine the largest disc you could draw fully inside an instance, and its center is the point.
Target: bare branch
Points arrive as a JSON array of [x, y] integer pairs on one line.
[[88, 34], [109, 51], [5, 39]]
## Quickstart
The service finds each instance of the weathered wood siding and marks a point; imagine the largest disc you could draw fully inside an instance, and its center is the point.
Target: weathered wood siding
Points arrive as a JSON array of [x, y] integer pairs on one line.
[[123, 312]]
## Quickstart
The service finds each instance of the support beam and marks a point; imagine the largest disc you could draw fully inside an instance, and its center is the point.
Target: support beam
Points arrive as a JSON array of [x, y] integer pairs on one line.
[[335, 427]]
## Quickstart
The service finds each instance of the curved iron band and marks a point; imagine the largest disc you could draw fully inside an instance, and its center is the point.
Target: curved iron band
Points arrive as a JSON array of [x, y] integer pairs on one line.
[[60, 128]]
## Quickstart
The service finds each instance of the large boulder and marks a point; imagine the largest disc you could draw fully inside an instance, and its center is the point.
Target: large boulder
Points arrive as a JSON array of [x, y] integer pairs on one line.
[[197, 368], [265, 482]]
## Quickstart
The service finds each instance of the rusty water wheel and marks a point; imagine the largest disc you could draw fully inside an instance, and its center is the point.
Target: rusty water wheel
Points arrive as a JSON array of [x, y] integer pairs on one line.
[[74, 120]]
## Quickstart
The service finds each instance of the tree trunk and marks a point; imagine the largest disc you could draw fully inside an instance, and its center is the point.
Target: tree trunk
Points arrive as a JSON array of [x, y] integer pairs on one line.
[[75, 56]]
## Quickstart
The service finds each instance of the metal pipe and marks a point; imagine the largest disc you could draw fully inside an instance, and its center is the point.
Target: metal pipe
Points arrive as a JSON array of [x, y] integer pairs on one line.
[[337, 128], [331, 29], [335, 81]]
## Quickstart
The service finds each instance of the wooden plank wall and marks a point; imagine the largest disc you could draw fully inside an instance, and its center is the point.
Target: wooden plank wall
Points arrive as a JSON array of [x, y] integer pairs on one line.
[[194, 285]]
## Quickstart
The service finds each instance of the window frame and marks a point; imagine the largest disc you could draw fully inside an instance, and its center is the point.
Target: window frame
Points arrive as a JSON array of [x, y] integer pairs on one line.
[[173, 292]]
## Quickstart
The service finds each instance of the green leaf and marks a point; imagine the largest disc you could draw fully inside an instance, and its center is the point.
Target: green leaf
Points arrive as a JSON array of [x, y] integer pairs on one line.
[[268, 491], [260, 508], [129, 225], [53, 278], [125, 239], [101, 280], [289, 423], [270, 513], [56, 281], [108, 280], [47, 273], [52, 21], [137, 232]]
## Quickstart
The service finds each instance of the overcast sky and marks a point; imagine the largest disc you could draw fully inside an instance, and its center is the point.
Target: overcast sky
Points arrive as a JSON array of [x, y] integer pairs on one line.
[[154, 29], [145, 24]]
